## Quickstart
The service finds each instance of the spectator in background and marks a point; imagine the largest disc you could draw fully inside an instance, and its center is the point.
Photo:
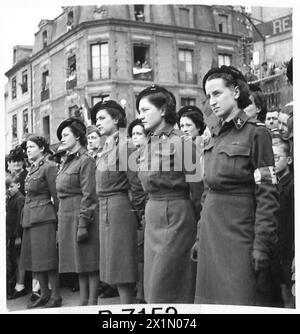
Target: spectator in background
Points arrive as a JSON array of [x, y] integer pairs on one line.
[[94, 141], [258, 107], [264, 69], [283, 117], [14, 207], [272, 120], [286, 246]]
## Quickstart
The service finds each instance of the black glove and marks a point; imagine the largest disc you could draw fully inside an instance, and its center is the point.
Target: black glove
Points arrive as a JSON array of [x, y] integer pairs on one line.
[[260, 260], [82, 234]]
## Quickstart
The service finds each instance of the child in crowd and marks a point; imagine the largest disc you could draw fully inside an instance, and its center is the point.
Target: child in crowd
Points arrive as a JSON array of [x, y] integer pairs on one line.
[[14, 207], [286, 247]]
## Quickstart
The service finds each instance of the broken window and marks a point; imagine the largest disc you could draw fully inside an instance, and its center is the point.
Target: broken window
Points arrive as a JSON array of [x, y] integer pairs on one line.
[[70, 20], [45, 41], [99, 61], [71, 72], [24, 84], [141, 58], [187, 101], [224, 59], [185, 73], [139, 12], [25, 122], [14, 88]]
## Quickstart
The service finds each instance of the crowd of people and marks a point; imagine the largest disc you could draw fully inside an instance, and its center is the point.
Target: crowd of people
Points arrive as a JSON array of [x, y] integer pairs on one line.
[[183, 206]]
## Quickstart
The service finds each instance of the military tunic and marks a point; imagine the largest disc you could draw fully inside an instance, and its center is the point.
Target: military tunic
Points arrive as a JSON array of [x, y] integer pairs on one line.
[[77, 207], [239, 211], [117, 214], [39, 220], [165, 168]]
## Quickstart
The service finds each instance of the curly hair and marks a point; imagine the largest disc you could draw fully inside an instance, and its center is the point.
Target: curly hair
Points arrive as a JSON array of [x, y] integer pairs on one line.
[[17, 154], [40, 141]]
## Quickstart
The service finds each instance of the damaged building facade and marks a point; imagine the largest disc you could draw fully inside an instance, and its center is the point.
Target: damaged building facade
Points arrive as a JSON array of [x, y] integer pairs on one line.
[[91, 53]]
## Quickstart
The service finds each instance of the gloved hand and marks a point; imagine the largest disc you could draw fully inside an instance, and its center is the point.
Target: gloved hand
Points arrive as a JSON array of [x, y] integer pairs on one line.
[[260, 260], [194, 251], [82, 234]]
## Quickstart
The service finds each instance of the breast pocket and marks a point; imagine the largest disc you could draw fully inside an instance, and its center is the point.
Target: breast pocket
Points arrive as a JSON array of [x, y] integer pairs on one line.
[[234, 159], [72, 177]]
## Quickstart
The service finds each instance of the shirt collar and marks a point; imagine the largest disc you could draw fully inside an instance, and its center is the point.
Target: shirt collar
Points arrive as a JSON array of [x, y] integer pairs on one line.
[[166, 130]]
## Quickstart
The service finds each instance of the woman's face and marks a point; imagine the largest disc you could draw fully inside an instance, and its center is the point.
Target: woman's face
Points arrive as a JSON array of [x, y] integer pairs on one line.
[[17, 166], [222, 99], [138, 135], [188, 126], [150, 116], [252, 110], [34, 152], [68, 140], [105, 123], [93, 141]]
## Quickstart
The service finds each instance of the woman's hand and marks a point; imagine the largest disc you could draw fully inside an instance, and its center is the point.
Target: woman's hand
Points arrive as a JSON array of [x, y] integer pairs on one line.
[[82, 234], [194, 251]]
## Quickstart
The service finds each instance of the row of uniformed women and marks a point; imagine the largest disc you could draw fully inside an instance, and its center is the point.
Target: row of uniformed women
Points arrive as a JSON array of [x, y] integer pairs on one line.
[[173, 204]]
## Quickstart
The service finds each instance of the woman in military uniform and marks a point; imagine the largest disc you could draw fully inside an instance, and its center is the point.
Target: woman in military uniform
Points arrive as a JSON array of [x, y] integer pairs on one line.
[[38, 252], [237, 229], [77, 216], [118, 221], [169, 178]]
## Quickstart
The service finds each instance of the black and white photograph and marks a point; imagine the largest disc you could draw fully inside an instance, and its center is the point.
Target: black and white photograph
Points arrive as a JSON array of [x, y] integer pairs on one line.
[[149, 157]]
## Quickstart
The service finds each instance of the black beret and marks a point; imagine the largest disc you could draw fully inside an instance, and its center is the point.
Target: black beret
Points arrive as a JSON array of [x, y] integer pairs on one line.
[[110, 104], [235, 73], [187, 109], [71, 122], [153, 89]]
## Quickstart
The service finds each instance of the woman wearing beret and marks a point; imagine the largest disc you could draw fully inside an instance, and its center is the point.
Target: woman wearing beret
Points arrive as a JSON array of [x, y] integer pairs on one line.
[[169, 178], [237, 229], [118, 222], [77, 216], [38, 252]]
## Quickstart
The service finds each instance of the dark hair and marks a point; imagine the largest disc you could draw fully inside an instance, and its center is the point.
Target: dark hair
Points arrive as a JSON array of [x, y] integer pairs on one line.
[[13, 179], [133, 124], [77, 132], [16, 154], [117, 115], [289, 71], [261, 103], [243, 100], [40, 141], [196, 118]]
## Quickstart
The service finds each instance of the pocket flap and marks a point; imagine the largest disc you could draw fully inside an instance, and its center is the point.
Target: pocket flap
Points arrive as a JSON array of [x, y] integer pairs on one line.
[[233, 150], [41, 202]]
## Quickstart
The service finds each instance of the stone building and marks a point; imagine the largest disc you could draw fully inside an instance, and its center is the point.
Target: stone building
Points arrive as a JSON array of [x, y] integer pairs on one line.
[[90, 53]]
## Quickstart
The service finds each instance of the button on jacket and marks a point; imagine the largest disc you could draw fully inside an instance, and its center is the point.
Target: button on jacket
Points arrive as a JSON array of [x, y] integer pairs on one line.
[[41, 201]]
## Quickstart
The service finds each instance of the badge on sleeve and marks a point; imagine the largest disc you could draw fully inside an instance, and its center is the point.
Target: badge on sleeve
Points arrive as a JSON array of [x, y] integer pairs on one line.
[[265, 175]]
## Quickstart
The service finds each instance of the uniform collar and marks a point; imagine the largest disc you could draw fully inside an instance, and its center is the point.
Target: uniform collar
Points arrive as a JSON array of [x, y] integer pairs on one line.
[[36, 165], [160, 133], [240, 119], [76, 154]]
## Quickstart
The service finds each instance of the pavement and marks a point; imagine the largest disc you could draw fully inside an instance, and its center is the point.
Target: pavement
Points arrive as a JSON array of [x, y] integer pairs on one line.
[[69, 299]]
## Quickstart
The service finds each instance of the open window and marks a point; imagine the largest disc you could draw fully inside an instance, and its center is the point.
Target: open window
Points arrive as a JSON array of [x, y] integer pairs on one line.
[[71, 80], [142, 68], [139, 12], [222, 23], [24, 84], [45, 86], [70, 20]]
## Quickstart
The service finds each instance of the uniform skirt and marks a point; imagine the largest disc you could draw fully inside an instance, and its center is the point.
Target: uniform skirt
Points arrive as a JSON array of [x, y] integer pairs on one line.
[[169, 273], [118, 240], [224, 273], [38, 249], [74, 256]]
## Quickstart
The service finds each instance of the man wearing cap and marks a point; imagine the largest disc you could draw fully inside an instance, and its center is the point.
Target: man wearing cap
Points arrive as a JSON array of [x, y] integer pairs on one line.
[[94, 140], [237, 228]]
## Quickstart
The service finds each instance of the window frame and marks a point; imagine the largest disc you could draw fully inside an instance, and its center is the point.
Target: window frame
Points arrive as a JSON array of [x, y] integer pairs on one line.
[[14, 116], [14, 87], [142, 76], [24, 75], [194, 78], [91, 72], [229, 55]]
